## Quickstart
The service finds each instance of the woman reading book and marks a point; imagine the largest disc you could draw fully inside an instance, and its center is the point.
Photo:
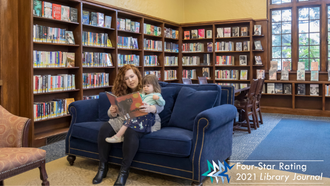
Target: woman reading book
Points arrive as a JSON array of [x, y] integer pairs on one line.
[[150, 95], [128, 80]]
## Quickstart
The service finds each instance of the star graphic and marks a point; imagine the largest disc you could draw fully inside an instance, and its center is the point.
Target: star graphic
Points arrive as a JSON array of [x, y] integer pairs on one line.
[[226, 170], [209, 166], [221, 167], [215, 168]]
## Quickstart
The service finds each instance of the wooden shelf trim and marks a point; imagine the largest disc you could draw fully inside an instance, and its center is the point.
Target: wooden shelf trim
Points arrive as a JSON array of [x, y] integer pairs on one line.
[[54, 20], [86, 46], [96, 88], [48, 119], [56, 92], [124, 31], [0, 82], [92, 26], [56, 44], [129, 49], [54, 68], [44, 135], [98, 67]]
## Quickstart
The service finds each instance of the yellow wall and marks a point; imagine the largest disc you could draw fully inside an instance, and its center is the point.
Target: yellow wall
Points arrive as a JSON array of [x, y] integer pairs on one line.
[[171, 10], [210, 10], [185, 11]]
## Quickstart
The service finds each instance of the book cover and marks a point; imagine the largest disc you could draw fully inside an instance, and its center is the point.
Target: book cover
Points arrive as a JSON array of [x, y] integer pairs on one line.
[[301, 66], [219, 32], [243, 60], [257, 30], [314, 65], [209, 46], [301, 75], [57, 11], [65, 13], [314, 90], [273, 74], [128, 105], [286, 66], [194, 34], [107, 21], [274, 65], [208, 33], [186, 34], [243, 75], [235, 31], [258, 60], [100, 19], [201, 33], [85, 17], [284, 75], [246, 45], [93, 20], [227, 32], [314, 75], [257, 45], [69, 37], [238, 46], [270, 88], [278, 88], [137, 27], [73, 14], [260, 74], [329, 75], [47, 10], [37, 8], [128, 25], [70, 59], [287, 88], [244, 31], [301, 90], [68, 101]]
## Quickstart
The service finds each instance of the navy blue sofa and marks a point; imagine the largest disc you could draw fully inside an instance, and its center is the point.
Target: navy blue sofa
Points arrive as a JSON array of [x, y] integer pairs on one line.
[[197, 125]]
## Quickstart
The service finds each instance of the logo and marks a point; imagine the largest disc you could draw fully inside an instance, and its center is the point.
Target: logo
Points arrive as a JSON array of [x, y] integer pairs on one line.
[[218, 171]]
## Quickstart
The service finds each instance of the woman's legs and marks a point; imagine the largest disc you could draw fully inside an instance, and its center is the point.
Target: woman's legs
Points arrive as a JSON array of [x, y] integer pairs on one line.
[[104, 150], [117, 138], [130, 147]]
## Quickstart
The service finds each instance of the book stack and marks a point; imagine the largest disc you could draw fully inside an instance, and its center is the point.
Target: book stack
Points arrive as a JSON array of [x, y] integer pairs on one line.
[[226, 74], [51, 109], [132, 59], [193, 47], [151, 60], [43, 59], [53, 83], [171, 61], [149, 44], [171, 33], [96, 19], [224, 60], [91, 97], [96, 39], [154, 72], [170, 75], [190, 60], [152, 30], [97, 59], [191, 74], [92, 80], [52, 35], [54, 11], [127, 42], [171, 47], [128, 25]]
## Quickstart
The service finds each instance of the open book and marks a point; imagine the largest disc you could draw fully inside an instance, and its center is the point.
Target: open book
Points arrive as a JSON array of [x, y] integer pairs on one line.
[[128, 105]]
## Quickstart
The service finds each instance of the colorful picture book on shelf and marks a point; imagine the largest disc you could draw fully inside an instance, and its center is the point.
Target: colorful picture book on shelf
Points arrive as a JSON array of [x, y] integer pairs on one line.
[[208, 34], [314, 75], [257, 29], [238, 46], [272, 74], [314, 65], [260, 74], [286, 66], [201, 33], [270, 88], [186, 34], [235, 31], [69, 37], [257, 45], [301, 71], [244, 74], [227, 32], [258, 60], [194, 34], [314, 90], [219, 32], [244, 31]]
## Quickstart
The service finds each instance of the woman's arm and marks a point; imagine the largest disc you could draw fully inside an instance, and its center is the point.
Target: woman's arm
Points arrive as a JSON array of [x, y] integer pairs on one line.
[[151, 108], [113, 112]]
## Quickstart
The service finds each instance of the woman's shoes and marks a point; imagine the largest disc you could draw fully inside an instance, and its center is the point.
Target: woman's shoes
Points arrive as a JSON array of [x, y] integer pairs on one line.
[[101, 173], [115, 139], [122, 177]]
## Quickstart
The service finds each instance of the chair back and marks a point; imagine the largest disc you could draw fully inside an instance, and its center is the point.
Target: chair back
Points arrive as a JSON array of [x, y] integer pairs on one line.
[[186, 81], [202, 80], [251, 94], [259, 89]]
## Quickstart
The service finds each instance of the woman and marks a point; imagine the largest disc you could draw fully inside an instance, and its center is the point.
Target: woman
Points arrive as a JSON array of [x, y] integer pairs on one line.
[[128, 80]]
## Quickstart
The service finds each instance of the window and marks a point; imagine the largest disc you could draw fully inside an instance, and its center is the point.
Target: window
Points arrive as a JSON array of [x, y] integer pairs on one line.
[[281, 36], [328, 37], [280, 1], [309, 35]]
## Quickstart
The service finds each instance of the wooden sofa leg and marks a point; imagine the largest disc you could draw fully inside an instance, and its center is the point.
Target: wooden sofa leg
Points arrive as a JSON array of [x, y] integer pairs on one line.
[[195, 183], [71, 159], [43, 174], [1, 183], [227, 160]]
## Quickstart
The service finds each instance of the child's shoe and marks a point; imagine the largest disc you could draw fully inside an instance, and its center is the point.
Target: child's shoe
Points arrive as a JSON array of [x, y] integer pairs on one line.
[[114, 139]]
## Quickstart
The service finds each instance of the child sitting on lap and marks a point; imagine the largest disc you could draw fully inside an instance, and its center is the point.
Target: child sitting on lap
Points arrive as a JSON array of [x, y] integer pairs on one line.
[[150, 95]]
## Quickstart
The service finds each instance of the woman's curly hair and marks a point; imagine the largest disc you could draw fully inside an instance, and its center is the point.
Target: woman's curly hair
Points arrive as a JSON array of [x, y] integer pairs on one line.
[[120, 87]]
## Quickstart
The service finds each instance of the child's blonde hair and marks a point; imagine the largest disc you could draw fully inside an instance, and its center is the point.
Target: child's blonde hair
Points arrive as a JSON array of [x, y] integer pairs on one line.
[[153, 80]]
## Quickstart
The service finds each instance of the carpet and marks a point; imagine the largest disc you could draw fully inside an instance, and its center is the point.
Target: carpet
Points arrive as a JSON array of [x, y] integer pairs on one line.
[[301, 146]]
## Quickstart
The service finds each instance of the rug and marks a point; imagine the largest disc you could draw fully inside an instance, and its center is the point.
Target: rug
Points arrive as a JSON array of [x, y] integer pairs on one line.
[[300, 146]]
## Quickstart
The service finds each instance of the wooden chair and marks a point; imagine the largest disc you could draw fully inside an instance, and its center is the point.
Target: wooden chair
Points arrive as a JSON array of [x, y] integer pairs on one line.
[[245, 108], [202, 80], [257, 101], [186, 81], [15, 155]]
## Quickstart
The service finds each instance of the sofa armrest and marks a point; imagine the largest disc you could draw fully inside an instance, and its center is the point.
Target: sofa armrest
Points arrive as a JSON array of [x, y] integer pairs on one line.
[[212, 137], [84, 111]]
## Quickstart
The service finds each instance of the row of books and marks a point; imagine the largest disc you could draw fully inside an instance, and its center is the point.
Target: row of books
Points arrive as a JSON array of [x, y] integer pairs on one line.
[[132, 59], [196, 60], [170, 74], [91, 80], [43, 59], [149, 44], [157, 73], [193, 47], [96, 19], [152, 29], [171, 33], [53, 83], [54, 11], [230, 60], [232, 32], [96, 39], [51, 109], [127, 42], [52, 35], [97, 59], [91, 97], [327, 90], [171, 61], [197, 34], [231, 74], [171, 47], [191, 74], [236, 85], [128, 25], [279, 88], [229, 46], [151, 60]]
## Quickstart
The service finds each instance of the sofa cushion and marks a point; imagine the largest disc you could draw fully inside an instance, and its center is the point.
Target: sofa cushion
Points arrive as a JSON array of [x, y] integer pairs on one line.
[[88, 131], [104, 105], [189, 103], [171, 141], [169, 94]]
